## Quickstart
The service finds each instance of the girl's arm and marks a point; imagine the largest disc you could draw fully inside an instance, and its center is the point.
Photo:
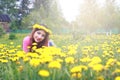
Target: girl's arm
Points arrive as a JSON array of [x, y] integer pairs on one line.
[[26, 43]]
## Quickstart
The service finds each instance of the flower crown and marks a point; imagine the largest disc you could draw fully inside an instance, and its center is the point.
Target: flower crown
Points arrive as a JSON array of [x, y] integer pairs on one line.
[[42, 27]]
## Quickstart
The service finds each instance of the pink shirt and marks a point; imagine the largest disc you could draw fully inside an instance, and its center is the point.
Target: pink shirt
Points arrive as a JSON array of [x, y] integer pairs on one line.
[[26, 43]]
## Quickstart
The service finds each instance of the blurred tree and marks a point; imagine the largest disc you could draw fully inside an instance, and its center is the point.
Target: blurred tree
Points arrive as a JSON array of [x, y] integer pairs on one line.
[[111, 15], [16, 9], [23, 11], [87, 19], [46, 12], [94, 16], [7, 7]]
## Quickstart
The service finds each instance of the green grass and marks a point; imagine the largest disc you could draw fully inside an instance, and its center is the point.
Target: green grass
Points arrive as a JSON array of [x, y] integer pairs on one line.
[[108, 51], [18, 40]]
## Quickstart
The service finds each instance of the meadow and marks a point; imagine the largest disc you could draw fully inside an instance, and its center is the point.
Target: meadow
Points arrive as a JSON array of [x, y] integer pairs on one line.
[[81, 57]]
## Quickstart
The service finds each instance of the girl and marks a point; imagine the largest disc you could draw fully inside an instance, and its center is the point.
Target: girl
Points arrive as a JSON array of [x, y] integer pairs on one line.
[[39, 35]]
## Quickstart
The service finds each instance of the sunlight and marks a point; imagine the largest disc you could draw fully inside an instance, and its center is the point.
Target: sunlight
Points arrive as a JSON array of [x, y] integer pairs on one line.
[[70, 8]]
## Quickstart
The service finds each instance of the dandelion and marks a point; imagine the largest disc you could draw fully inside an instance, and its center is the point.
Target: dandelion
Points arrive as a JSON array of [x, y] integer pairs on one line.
[[97, 67], [28, 47], [14, 58], [118, 63], [116, 71], [111, 61], [34, 47], [54, 64], [11, 43], [17, 62], [34, 62], [100, 78], [20, 68], [86, 59], [44, 73], [76, 75], [118, 50], [117, 78], [96, 59], [59, 60], [3, 60], [20, 54], [19, 46], [25, 59], [76, 69], [69, 60], [34, 44], [83, 67]]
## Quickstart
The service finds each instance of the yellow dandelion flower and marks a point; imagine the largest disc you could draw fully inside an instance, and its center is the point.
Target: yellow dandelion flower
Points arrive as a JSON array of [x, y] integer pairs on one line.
[[72, 52], [11, 51], [86, 59], [34, 47], [118, 63], [34, 44], [28, 47], [100, 78], [20, 54], [20, 68], [111, 61], [76, 75], [42, 27], [59, 60], [1, 46], [4, 61], [96, 59], [34, 62], [97, 67], [83, 67], [19, 46], [118, 50], [11, 43], [117, 71], [44, 73], [117, 78], [54, 64], [14, 58], [69, 60], [46, 58], [18, 62], [76, 69], [25, 59], [96, 48]]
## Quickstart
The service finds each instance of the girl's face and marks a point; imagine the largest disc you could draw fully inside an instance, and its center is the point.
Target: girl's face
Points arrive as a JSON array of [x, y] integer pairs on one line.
[[39, 35]]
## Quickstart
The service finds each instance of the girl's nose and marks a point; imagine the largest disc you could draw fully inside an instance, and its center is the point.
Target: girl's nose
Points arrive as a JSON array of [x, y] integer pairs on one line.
[[39, 36]]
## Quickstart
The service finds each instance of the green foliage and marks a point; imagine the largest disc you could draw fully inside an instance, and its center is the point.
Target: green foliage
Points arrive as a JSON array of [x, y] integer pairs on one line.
[[7, 6], [2, 32], [47, 13], [93, 16], [78, 60], [13, 26], [12, 36]]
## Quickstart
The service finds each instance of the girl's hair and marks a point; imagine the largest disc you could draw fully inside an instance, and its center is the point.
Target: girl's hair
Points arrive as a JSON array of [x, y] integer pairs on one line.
[[40, 44]]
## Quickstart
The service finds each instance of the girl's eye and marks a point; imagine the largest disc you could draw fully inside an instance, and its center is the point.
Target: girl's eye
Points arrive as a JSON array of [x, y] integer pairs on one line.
[[38, 33], [43, 35]]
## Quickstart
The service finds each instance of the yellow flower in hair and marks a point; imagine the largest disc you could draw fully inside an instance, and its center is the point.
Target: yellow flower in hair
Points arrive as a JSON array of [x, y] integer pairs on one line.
[[42, 27]]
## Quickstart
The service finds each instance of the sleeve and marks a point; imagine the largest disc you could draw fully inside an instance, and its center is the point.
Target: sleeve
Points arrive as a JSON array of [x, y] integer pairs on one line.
[[26, 43], [51, 43]]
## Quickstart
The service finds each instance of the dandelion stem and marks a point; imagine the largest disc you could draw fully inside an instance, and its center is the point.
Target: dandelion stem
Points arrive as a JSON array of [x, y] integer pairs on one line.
[[54, 71]]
